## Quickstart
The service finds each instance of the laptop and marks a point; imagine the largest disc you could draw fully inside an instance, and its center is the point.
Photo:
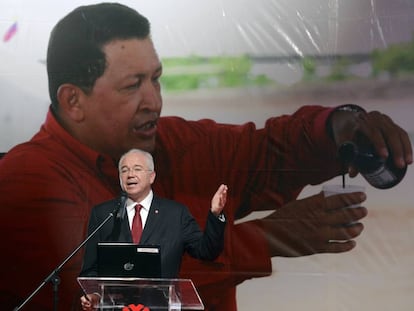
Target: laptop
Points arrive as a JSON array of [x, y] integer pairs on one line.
[[129, 260]]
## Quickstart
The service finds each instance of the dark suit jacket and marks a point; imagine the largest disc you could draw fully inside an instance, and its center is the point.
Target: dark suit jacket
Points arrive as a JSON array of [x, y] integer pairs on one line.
[[169, 224]]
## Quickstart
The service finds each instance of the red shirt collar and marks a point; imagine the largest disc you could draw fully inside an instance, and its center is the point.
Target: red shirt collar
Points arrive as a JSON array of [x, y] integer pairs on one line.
[[103, 163]]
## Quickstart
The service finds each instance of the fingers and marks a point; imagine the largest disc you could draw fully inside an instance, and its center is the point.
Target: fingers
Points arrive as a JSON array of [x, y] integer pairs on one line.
[[222, 195], [340, 201], [373, 126], [85, 303], [344, 209], [86, 306], [89, 302], [399, 144], [339, 247], [222, 189], [387, 137], [343, 221], [346, 232]]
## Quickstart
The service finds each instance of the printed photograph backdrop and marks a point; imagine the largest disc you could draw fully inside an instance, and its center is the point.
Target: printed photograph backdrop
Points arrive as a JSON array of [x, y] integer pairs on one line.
[[236, 61]]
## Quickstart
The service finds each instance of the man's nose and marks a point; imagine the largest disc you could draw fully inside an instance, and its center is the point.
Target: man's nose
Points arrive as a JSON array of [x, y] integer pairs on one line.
[[131, 173], [151, 97]]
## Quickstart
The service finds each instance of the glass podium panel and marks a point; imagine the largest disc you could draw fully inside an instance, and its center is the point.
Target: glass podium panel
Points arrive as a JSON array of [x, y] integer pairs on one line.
[[157, 294]]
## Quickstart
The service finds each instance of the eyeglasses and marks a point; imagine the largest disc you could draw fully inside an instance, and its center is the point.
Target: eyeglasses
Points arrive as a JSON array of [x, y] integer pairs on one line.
[[135, 170]]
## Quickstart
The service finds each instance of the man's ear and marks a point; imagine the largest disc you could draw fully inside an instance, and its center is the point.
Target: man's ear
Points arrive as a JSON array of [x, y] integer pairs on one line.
[[152, 177], [69, 101]]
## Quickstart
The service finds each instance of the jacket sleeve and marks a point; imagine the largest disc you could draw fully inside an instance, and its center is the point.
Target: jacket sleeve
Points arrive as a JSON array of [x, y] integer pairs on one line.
[[210, 244]]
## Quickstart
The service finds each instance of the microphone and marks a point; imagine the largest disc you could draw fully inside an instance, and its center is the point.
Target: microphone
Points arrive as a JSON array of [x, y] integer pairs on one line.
[[121, 206]]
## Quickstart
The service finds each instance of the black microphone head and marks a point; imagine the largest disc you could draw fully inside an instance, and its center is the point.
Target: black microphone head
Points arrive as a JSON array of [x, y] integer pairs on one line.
[[123, 197], [121, 206]]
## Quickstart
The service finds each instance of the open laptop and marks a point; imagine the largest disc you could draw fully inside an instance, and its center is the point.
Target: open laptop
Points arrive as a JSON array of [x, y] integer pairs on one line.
[[129, 260]]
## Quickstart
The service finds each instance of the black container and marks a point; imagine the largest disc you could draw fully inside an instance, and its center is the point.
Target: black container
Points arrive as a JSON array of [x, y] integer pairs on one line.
[[380, 173]]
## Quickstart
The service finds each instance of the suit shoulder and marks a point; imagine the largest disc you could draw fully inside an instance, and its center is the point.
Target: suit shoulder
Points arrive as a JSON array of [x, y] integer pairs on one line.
[[109, 204], [168, 203]]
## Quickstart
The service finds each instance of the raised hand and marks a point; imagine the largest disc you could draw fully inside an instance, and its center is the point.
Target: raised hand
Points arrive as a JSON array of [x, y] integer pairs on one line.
[[219, 200]]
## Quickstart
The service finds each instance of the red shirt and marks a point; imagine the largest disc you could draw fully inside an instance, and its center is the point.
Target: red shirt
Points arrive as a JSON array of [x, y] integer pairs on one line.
[[49, 185]]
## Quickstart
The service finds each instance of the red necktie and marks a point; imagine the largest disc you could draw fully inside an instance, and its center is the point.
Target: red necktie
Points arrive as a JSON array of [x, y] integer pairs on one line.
[[136, 230]]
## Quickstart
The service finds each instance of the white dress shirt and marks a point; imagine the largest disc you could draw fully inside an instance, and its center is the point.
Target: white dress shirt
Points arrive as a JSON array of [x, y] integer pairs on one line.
[[146, 204]]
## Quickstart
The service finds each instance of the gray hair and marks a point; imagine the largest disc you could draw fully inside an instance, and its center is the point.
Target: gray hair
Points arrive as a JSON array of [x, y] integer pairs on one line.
[[148, 156]]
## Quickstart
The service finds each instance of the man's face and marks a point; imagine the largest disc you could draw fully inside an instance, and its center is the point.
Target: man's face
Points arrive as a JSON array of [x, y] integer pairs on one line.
[[123, 108], [135, 176]]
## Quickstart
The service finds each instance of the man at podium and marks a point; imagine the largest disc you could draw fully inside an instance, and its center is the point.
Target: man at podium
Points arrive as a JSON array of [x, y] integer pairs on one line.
[[157, 221]]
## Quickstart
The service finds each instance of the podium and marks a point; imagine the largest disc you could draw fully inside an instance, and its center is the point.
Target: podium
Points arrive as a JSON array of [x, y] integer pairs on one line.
[[156, 294]]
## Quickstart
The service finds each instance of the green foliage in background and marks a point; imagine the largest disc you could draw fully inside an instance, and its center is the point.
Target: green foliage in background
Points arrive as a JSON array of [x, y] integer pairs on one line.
[[339, 70], [396, 59], [195, 72], [309, 68]]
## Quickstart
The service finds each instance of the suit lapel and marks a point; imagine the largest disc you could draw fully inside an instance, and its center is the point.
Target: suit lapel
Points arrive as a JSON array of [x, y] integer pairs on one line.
[[125, 234], [153, 220]]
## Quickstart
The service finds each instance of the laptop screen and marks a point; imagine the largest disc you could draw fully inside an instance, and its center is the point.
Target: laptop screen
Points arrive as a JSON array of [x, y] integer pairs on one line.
[[129, 260]]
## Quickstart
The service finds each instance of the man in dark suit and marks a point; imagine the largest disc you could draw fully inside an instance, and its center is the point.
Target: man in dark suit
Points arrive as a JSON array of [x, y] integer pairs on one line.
[[163, 222]]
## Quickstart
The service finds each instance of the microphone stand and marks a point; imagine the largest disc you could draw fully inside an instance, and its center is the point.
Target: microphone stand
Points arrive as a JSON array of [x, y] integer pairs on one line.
[[54, 276]]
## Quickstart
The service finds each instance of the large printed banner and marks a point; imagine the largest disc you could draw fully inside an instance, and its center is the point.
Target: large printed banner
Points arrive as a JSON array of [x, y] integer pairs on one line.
[[236, 61]]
